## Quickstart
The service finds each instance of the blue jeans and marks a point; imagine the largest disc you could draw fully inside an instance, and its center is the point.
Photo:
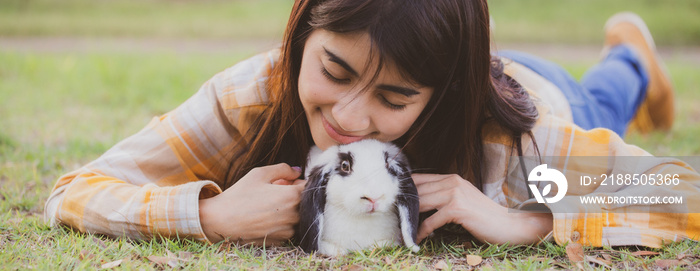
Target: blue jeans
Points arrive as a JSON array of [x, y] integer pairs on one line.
[[609, 93]]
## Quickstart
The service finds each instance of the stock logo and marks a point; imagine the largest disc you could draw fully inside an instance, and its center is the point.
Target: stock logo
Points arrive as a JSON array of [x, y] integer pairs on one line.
[[543, 174]]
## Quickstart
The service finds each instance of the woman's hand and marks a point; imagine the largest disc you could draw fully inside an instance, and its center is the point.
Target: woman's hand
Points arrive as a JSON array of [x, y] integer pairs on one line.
[[262, 207], [458, 201]]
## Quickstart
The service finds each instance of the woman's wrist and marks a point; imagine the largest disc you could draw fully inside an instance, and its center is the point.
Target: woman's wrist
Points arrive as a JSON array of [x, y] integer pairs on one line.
[[207, 220], [501, 225], [531, 227]]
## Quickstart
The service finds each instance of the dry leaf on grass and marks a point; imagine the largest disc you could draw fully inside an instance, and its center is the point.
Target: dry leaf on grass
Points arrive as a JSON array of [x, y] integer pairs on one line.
[[172, 262], [185, 255], [126, 245], [683, 256], [575, 252], [645, 253], [158, 259], [112, 264], [668, 263], [474, 260], [441, 265], [99, 242], [561, 265], [85, 255], [599, 261], [353, 267], [170, 253]]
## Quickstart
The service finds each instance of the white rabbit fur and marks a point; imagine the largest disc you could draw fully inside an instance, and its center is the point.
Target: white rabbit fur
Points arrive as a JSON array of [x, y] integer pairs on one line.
[[358, 196]]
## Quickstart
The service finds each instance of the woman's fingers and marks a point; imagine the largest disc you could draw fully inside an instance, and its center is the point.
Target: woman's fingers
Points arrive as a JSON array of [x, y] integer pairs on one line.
[[290, 182], [282, 182], [421, 178], [430, 224], [434, 186], [286, 172], [438, 190], [266, 201], [449, 195], [434, 201], [274, 173]]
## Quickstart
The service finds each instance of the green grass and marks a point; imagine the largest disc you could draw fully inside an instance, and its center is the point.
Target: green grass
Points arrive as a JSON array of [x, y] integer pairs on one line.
[[150, 18], [61, 110], [673, 22], [33, 245]]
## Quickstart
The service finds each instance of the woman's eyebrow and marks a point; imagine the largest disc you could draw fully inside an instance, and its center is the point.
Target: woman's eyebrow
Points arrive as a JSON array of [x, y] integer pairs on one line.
[[408, 92], [333, 57]]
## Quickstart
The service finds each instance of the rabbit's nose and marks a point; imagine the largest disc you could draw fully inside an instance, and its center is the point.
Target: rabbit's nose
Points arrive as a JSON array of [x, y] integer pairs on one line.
[[371, 205], [372, 199]]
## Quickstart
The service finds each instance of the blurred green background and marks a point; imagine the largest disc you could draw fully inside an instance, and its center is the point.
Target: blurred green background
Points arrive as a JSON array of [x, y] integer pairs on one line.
[[77, 76], [673, 22]]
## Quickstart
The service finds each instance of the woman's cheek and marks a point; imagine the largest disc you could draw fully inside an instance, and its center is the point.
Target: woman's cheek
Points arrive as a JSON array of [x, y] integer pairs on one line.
[[390, 127], [393, 125], [314, 90]]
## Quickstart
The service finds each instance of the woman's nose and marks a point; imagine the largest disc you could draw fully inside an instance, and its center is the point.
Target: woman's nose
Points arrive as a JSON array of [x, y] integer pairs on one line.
[[352, 113]]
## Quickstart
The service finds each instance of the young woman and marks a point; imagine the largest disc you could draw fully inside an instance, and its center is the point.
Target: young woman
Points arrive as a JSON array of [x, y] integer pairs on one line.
[[420, 73]]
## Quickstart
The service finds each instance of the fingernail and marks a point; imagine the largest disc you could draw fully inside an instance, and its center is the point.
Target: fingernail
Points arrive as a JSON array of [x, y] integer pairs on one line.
[[297, 169]]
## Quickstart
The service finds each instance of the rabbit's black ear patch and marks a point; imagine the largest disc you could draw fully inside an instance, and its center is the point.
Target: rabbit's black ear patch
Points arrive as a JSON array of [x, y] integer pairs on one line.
[[345, 162], [311, 208], [395, 164]]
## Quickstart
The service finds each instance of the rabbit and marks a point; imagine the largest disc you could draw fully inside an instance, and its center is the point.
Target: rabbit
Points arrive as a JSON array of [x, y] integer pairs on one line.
[[357, 196]]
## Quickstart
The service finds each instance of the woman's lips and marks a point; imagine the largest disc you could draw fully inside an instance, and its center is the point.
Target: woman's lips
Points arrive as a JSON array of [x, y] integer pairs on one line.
[[340, 138]]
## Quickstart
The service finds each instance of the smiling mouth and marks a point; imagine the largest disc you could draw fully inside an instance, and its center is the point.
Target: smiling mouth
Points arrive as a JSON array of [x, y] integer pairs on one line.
[[335, 135]]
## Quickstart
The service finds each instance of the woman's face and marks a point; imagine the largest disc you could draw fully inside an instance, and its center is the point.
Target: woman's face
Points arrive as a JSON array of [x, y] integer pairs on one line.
[[342, 103]]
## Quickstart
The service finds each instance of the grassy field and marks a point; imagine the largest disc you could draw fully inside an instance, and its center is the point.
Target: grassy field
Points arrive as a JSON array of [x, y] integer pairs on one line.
[[673, 22], [59, 110]]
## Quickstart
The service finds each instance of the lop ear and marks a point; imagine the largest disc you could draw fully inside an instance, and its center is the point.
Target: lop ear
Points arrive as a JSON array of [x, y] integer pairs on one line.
[[318, 157], [311, 207], [408, 206]]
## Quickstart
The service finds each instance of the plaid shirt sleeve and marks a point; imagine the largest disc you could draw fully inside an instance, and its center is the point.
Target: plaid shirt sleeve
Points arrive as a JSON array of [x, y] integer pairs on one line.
[[597, 224], [150, 183], [613, 224]]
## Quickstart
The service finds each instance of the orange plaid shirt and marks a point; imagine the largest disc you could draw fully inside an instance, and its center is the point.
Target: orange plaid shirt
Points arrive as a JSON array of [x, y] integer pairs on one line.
[[150, 183]]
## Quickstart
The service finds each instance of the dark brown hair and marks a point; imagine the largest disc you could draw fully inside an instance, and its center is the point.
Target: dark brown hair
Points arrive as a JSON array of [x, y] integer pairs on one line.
[[443, 44]]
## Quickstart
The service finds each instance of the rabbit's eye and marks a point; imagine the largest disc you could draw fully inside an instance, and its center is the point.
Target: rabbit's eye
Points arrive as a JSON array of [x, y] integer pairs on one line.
[[345, 166]]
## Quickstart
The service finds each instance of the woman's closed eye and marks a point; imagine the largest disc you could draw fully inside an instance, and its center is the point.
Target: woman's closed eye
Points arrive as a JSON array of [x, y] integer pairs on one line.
[[391, 105], [332, 78], [382, 97]]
